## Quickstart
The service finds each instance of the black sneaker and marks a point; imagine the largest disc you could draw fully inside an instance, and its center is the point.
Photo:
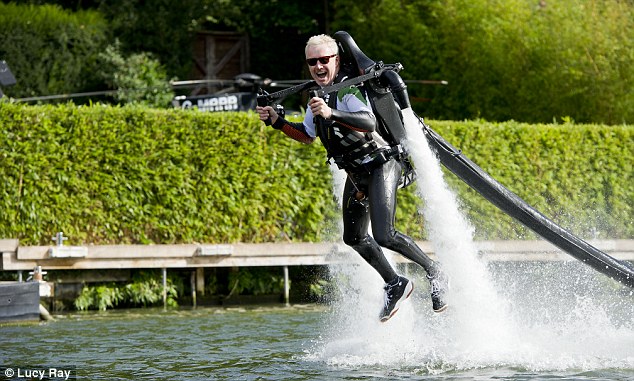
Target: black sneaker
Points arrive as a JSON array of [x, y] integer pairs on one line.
[[395, 292], [439, 284]]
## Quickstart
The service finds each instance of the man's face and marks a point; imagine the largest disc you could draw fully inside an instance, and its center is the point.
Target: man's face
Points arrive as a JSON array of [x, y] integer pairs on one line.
[[323, 74]]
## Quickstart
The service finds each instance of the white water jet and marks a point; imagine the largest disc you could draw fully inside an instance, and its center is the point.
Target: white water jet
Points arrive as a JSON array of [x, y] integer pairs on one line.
[[481, 319]]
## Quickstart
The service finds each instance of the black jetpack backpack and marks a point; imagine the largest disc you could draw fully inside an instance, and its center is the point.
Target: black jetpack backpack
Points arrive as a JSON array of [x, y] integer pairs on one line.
[[386, 92]]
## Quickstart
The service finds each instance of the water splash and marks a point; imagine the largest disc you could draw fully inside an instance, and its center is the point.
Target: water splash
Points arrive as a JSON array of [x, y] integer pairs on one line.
[[515, 316], [481, 316]]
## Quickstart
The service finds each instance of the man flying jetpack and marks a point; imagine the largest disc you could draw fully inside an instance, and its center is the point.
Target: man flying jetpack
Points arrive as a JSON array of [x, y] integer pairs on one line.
[[389, 87], [352, 111]]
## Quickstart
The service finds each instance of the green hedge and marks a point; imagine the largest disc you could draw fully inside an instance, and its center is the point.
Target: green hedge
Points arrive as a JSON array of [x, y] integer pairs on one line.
[[138, 175], [108, 175], [580, 176]]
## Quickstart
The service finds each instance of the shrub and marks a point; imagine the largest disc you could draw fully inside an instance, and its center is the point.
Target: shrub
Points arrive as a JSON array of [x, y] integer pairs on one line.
[[50, 50], [530, 61], [109, 175], [254, 281], [536, 62], [138, 78], [136, 175], [143, 291]]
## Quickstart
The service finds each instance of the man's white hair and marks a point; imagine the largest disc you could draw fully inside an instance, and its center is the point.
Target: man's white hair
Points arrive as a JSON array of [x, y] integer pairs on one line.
[[323, 39]]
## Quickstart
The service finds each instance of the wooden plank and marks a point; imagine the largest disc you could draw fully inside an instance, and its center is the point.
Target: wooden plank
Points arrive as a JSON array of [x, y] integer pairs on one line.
[[539, 250], [8, 245], [186, 250], [11, 263], [115, 251], [272, 254], [510, 246]]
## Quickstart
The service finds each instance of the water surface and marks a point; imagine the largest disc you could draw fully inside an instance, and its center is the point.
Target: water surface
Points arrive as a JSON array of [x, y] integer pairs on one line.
[[559, 328]]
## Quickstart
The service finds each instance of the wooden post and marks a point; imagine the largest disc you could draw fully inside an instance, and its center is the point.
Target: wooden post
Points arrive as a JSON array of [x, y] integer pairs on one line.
[[164, 288], [192, 282], [286, 286], [200, 281]]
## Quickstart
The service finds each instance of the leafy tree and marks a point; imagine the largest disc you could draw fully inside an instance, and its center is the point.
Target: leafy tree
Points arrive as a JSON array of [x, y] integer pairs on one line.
[[138, 78], [504, 59], [50, 50], [165, 28], [396, 31], [278, 31], [535, 62]]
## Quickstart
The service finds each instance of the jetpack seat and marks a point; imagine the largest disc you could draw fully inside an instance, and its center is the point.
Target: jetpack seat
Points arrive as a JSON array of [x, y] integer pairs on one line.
[[353, 62], [387, 93]]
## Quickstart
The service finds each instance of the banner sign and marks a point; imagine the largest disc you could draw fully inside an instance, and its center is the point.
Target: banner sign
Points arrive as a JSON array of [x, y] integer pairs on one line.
[[217, 102]]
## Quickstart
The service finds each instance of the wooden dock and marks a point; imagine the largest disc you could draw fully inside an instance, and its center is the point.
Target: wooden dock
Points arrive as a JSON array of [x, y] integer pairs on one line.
[[18, 258], [197, 257]]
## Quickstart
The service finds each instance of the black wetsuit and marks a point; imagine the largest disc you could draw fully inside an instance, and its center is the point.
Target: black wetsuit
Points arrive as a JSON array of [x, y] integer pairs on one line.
[[374, 171]]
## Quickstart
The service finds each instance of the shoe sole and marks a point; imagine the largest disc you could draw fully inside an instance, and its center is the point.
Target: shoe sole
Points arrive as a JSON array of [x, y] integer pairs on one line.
[[398, 304], [441, 309]]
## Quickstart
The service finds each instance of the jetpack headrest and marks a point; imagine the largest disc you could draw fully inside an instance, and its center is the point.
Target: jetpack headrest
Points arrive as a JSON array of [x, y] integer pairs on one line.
[[382, 92], [353, 61]]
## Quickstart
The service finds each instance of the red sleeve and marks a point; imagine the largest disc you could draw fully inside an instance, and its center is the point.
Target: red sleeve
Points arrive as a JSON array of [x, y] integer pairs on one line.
[[295, 131]]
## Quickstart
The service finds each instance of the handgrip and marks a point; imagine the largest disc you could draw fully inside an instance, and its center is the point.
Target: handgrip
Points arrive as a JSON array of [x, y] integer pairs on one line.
[[318, 118], [263, 100]]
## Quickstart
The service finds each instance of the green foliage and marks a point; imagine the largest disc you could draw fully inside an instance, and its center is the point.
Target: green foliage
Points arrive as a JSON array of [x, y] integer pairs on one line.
[[254, 281], [50, 50], [505, 59], [136, 175], [111, 175], [145, 290], [276, 29], [392, 31], [580, 176], [536, 62], [211, 284], [319, 288], [138, 78], [8, 276], [100, 297], [164, 28]]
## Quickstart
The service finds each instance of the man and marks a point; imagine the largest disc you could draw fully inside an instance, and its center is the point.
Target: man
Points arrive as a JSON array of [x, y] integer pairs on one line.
[[347, 126]]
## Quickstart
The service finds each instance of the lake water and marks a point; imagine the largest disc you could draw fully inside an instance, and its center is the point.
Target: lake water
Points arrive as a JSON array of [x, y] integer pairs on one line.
[[563, 322]]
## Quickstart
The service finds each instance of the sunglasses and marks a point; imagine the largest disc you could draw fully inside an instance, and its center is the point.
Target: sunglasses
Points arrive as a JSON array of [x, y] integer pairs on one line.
[[322, 60]]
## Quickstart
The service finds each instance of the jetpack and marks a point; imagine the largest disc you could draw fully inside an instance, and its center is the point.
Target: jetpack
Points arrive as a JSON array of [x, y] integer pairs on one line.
[[383, 88], [388, 95]]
